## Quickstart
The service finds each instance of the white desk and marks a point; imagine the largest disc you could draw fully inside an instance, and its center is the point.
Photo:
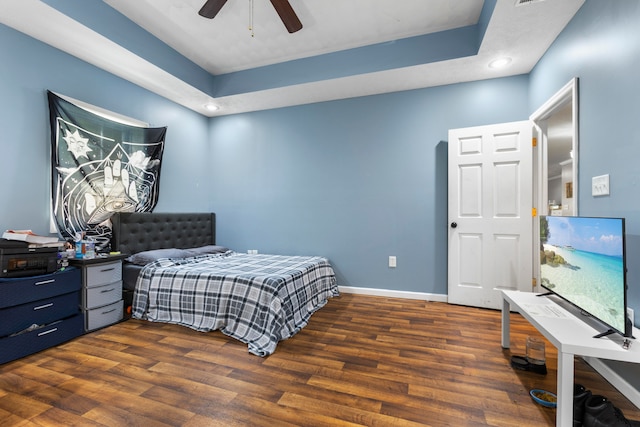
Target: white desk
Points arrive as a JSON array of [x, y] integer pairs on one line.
[[571, 336]]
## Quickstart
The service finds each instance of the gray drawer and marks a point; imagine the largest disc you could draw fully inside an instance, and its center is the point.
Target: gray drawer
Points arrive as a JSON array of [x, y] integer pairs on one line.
[[103, 295], [103, 316], [103, 273]]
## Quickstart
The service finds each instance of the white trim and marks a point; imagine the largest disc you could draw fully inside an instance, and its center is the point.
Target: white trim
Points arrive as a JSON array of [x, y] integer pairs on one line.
[[568, 94], [43, 22], [393, 293], [102, 112], [556, 102]]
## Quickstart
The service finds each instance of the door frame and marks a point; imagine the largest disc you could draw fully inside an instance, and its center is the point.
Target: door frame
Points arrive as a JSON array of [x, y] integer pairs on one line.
[[567, 94]]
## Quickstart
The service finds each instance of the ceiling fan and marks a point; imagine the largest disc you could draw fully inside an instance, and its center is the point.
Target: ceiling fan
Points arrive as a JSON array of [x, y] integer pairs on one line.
[[288, 16]]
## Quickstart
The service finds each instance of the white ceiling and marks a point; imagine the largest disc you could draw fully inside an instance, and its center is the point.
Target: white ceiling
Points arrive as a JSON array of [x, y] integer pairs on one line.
[[225, 44]]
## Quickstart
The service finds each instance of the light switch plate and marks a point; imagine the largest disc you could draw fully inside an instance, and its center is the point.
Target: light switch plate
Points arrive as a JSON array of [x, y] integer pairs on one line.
[[600, 185]]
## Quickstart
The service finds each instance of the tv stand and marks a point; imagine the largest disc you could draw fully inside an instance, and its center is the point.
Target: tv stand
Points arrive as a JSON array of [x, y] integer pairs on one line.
[[571, 335], [605, 333]]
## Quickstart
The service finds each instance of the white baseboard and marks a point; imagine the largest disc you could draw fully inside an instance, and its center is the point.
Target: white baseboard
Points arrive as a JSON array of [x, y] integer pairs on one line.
[[393, 294], [615, 379]]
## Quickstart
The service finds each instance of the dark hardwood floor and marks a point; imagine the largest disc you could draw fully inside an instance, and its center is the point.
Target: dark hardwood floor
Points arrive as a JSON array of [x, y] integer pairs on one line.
[[361, 361]]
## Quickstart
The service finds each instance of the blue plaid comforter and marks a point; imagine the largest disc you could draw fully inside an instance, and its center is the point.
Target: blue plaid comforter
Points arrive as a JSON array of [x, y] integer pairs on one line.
[[257, 299]]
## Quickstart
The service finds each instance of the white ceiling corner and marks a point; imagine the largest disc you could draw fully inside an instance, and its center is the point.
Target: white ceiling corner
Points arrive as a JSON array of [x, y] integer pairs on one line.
[[225, 44]]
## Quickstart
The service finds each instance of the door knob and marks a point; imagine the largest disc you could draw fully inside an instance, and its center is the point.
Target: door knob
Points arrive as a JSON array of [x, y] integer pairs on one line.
[[454, 224]]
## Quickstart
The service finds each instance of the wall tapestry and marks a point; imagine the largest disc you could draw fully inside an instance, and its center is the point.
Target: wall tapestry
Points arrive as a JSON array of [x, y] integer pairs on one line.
[[100, 167]]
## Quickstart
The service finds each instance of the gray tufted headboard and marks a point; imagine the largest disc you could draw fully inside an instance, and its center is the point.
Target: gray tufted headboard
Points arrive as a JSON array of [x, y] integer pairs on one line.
[[140, 231]]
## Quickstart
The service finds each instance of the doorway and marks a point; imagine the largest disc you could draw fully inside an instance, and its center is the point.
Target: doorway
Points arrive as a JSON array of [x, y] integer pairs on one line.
[[546, 180], [555, 170]]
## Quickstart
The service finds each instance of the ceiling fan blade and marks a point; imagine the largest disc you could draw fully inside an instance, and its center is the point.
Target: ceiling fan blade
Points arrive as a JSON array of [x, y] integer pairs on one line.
[[211, 8], [287, 15]]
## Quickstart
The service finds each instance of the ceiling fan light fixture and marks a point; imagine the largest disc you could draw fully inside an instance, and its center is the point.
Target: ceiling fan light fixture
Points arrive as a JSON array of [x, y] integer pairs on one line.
[[284, 10], [287, 15], [211, 8], [500, 62]]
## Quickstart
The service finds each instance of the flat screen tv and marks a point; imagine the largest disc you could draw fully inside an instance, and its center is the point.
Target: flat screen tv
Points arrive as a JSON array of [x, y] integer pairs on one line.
[[582, 260]]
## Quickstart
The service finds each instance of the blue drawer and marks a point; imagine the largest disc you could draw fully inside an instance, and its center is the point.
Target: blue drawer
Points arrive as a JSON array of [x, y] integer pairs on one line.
[[41, 312], [27, 289], [18, 346]]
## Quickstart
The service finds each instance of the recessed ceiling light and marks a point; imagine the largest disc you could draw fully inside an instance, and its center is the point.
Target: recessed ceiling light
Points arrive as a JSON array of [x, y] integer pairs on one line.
[[500, 62], [211, 107]]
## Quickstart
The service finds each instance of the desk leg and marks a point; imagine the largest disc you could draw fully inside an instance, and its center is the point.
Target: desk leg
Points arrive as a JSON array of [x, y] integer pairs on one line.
[[564, 412], [506, 311]]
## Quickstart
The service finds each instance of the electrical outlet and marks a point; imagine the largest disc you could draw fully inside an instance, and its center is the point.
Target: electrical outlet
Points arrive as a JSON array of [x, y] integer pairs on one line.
[[600, 185], [630, 314], [252, 251], [392, 261]]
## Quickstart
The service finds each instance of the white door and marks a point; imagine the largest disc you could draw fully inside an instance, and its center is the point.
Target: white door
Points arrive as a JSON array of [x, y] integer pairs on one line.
[[490, 213]]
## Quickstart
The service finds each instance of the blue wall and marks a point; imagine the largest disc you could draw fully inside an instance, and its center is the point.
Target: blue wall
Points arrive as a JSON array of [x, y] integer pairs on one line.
[[601, 46], [28, 68], [107, 21], [355, 180]]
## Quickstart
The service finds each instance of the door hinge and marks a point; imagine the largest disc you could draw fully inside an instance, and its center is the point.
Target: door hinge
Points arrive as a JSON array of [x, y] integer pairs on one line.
[[534, 212], [533, 283], [534, 142]]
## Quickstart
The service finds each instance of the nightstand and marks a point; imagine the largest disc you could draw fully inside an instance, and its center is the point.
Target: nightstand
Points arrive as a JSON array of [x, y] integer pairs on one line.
[[102, 303]]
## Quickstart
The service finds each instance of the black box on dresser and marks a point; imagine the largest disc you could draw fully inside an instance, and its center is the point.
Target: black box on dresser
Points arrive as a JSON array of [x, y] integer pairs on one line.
[[18, 259], [38, 312]]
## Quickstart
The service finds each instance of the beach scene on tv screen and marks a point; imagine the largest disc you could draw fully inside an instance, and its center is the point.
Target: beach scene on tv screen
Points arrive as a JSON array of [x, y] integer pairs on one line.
[[581, 259]]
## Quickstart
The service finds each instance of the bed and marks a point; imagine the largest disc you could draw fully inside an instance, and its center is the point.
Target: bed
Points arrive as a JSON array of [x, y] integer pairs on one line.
[[178, 274]]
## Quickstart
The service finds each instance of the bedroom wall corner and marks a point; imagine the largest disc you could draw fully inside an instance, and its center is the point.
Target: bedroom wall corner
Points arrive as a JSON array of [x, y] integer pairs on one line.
[[355, 180], [29, 68]]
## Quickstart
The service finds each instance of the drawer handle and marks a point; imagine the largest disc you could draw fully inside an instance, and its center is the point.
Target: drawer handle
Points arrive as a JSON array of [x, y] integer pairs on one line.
[[40, 307], [47, 332], [109, 311], [104, 291], [107, 269], [45, 282]]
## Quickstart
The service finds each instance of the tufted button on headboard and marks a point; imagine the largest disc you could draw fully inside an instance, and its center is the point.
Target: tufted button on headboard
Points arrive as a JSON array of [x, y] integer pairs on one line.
[[141, 231]]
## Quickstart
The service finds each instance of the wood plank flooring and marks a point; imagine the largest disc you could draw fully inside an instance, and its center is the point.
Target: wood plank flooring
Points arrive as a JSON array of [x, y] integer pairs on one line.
[[361, 361]]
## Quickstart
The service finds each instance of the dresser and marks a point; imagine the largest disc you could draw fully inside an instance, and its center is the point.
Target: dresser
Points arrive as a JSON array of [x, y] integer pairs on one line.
[[102, 303], [38, 312]]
